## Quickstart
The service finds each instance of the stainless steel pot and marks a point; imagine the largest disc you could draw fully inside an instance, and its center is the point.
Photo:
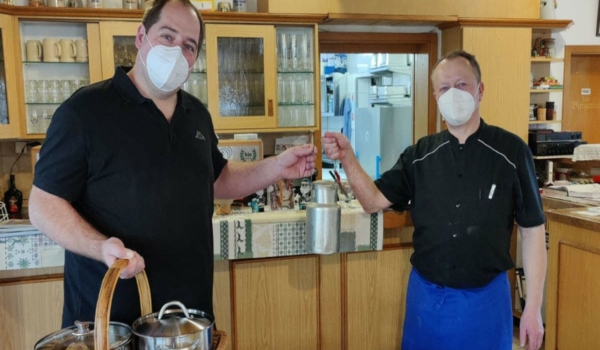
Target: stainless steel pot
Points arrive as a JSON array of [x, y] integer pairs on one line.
[[81, 336], [181, 329]]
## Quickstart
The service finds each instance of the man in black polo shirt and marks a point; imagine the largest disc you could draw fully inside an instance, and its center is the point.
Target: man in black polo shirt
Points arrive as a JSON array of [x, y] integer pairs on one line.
[[130, 168], [464, 188]]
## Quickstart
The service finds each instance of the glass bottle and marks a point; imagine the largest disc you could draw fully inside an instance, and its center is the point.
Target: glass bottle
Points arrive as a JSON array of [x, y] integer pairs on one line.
[[14, 200]]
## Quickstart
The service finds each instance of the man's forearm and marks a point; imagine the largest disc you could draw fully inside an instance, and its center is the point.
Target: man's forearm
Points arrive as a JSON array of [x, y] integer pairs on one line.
[[533, 242], [369, 196], [57, 219], [243, 178]]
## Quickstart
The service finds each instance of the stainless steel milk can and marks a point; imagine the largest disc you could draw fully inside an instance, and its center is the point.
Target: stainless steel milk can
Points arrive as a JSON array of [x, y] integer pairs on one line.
[[323, 216]]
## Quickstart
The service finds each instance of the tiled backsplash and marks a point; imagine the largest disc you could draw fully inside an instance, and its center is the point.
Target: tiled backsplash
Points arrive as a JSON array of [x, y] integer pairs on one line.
[[22, 170]]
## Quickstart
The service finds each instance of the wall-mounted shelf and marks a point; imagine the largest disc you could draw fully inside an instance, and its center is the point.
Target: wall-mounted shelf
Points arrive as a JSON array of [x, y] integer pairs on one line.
[[546, 59], [545, 122], [564, 156], [544, 91]]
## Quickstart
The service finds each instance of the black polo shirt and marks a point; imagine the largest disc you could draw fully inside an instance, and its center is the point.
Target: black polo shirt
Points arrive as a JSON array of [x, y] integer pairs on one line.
[[463, 200], [132, 174]]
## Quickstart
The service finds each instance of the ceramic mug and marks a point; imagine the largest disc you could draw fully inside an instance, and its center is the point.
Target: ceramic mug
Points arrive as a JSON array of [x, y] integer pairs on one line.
[[33, 51], [68, 50], [51, 50], [81, 50]]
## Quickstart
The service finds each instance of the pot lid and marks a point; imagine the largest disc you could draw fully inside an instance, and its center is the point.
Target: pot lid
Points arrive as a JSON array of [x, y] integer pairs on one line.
[[172, 323], [81, 336]]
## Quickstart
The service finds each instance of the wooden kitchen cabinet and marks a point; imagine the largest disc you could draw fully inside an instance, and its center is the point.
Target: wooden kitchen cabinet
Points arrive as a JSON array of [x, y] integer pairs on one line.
[[9, 80], [46, 81], [261, 77]]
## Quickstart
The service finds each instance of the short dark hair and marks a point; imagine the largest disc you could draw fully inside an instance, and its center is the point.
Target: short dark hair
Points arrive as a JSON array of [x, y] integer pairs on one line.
[[467, 56], [154, 9]]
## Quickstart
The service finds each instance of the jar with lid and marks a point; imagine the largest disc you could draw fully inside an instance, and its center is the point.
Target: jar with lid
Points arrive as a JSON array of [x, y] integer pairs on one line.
[[541, 113], [549, 110]]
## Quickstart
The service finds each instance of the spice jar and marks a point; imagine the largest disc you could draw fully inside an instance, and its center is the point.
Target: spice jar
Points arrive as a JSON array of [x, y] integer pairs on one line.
[[34, 3], [549, 110], [541, 113]]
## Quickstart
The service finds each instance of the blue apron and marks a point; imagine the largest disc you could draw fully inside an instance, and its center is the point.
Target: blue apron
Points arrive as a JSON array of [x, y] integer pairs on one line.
[[443, 318]]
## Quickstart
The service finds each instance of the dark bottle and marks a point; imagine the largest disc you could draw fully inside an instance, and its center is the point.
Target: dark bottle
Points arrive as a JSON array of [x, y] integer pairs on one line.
[[13, 199]]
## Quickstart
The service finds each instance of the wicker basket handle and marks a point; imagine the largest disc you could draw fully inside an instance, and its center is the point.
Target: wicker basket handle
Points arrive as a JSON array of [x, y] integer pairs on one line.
[[103, 306]]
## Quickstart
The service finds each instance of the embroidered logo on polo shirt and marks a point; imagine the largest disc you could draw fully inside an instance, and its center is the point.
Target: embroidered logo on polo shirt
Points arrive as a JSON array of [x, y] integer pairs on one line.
[[199, 135]]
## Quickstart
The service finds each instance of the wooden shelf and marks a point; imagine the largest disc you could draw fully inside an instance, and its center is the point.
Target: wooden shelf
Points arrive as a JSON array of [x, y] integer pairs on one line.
[[546, 59], [564, 156], [533, 122], [536, 24], [544, 91]]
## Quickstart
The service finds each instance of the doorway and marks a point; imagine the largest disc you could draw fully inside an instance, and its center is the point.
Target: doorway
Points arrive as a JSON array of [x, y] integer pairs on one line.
[[385, 78], [581, 103]]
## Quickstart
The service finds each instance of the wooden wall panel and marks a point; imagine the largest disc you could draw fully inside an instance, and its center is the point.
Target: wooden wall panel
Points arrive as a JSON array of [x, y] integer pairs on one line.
[[580, 112], [376, 297], [462, 8], [578, 303], [29, 312], [276, 303], [222, 299], [503, 54], [572, 308], [330, 297]]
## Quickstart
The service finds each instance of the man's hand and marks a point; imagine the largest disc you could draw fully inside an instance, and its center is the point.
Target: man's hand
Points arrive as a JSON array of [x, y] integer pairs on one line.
[[113, 249], [336, 145], [531, 329], [297, 162]]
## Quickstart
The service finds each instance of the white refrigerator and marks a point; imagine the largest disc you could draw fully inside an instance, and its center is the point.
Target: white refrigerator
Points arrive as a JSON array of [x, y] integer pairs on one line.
[[382, 134]]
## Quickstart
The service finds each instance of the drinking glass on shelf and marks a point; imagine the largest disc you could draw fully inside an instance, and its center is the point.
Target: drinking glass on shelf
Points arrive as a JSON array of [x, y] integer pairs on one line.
[[54, 91], [44, 91], [282, 52], [46, 119], [31, 91], [66, 89], [33, 122], [293, 53]]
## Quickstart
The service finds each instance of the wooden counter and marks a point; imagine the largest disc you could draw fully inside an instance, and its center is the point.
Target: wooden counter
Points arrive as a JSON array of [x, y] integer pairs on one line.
[[340, 301], [573, 306]]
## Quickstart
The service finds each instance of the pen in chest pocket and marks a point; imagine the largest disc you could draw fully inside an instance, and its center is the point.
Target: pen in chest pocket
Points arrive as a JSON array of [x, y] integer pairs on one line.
[[491, 195]]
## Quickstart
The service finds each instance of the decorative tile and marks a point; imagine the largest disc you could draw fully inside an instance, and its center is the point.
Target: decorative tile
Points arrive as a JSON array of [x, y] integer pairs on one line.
[[224, 238], [290, 238]]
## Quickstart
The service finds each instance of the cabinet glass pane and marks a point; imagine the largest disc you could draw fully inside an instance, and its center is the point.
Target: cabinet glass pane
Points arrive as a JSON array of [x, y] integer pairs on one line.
[[295, 77], [124, 50], [196, 83], [241, 77], [3, 107]]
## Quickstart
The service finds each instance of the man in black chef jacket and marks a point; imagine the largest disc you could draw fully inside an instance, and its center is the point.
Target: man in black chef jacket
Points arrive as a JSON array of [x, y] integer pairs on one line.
[[130, 168], [464, 187]]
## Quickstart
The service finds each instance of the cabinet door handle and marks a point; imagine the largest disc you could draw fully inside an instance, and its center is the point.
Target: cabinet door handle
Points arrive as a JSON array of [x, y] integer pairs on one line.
[[270, 112]]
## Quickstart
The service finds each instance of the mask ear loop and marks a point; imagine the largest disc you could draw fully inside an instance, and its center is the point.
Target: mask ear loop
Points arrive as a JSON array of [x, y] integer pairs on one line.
[[477, 94]]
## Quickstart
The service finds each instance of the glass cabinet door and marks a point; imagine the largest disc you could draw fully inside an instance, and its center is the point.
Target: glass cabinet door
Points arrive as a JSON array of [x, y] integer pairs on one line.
[[241, 62], [9, 106], [117, 46], [295, 77]]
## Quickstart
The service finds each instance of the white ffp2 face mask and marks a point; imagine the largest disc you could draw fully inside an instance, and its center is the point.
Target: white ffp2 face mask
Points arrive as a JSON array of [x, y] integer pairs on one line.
[[457, 106], [167, 67]]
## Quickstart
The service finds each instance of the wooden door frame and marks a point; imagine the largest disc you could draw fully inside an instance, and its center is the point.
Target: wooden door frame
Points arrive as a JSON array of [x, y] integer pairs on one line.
[[415, 43], [570, 51]]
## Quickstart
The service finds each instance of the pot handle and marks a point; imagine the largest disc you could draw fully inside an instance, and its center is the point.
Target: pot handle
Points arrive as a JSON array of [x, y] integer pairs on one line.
[[177, 303], [103, 306]]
